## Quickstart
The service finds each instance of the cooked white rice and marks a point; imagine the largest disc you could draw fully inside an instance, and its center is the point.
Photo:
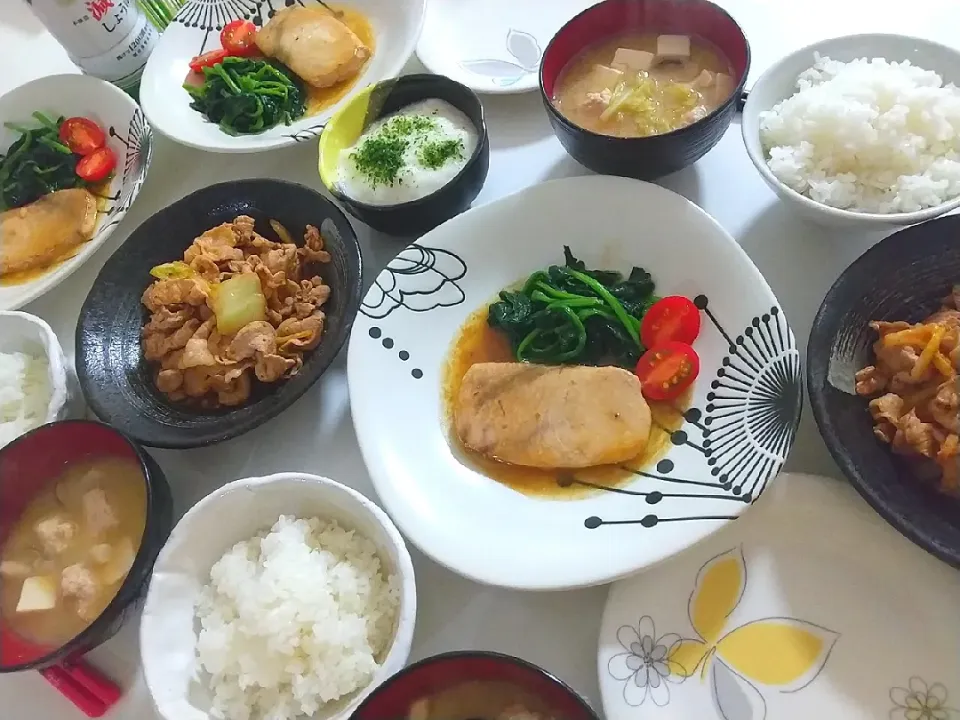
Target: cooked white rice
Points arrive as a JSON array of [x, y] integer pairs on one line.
[[868, 135], [293, 619], [24, 394]]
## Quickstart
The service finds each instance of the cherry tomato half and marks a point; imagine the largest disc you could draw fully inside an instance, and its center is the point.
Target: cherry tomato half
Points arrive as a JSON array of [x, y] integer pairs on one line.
[[667, 370], [671, 318], [208, 59], [82, 135], [97, 166], [239, 37]]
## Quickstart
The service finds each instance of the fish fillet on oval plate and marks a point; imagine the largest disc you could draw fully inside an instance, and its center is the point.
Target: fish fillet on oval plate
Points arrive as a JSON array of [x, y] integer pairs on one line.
[[46, 235], [339, 51], [490, 466]]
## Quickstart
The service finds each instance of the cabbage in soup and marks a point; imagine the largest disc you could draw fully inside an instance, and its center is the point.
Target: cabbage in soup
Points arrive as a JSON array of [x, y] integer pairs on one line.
[[635, 85]]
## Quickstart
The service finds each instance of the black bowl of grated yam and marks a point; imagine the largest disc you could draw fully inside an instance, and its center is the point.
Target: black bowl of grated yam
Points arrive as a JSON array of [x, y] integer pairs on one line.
[[882, 372], [218, 312]]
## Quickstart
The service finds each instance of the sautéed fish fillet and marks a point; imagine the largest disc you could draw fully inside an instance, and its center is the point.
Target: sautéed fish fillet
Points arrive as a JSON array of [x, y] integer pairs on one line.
[[313, 43], [40, 233], [552, 417]]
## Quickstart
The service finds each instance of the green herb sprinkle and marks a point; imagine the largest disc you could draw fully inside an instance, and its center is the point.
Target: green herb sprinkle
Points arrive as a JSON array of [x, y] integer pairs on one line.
[[434, 155]]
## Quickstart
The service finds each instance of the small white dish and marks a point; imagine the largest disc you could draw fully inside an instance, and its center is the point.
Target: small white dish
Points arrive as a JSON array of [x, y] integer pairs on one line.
[[128, 135], [779, 82], [492, 46], [810, 607], [234, 513], [26, 333], [738, 430], [196, 29]]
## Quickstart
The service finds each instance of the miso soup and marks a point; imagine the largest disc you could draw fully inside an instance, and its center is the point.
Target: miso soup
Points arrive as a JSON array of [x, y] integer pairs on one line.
[[641, 84], [67, 555]]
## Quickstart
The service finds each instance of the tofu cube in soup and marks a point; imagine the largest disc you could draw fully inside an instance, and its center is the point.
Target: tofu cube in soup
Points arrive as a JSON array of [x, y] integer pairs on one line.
[[629, 60], [705, 79], [722, 88], [38, 593], [673, 47]]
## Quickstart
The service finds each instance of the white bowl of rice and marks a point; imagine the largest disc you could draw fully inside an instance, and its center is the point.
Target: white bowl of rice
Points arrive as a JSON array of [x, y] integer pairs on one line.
[[860, 131], [276, 598], [36, 385]]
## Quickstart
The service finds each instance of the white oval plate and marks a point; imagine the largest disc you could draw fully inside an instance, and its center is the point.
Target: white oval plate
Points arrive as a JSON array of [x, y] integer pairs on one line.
[[740, 426], [492, 46], [811, 607], [128, 135], [196, 29]]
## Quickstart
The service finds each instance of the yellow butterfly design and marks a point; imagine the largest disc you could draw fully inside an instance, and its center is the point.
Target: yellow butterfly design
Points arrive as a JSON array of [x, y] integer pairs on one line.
[[782, 653]]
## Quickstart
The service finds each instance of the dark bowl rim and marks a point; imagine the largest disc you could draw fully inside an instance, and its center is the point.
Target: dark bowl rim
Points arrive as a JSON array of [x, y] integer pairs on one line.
[[817, 366], [737, 97], [482, 142], [185, 441], [79, 643], [454, 655]]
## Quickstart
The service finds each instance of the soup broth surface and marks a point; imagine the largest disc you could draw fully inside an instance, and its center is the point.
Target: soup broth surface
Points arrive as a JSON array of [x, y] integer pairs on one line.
[[72, 548], [641, 84], [480, 700]]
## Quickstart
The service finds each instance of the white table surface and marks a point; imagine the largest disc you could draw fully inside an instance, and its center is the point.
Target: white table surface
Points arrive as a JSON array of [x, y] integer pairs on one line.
[[556, 630]]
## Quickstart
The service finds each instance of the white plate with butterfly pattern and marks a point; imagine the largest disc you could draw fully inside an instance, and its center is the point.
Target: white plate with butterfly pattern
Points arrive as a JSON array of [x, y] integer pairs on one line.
[[396, 26], [492, 46], [128, 135], [734, 439], [810, 607]]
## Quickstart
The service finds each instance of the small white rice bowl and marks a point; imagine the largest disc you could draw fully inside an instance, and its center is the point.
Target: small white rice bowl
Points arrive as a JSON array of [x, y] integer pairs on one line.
[[277, 598], [868, 135], [862, 130], [38, 386]]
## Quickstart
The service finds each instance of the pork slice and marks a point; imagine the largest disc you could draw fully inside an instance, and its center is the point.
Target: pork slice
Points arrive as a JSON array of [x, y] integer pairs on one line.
[[552, 417]]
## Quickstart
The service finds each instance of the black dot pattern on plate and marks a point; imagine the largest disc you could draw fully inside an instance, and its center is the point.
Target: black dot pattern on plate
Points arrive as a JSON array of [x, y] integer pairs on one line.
[[742, 434], [388, 343]]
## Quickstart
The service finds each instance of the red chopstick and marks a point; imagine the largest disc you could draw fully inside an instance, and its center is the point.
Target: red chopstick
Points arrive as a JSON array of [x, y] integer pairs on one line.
[[85, 687]]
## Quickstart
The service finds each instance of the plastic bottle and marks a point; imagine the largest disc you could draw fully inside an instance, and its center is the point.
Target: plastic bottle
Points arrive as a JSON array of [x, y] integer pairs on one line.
[[110, 39]]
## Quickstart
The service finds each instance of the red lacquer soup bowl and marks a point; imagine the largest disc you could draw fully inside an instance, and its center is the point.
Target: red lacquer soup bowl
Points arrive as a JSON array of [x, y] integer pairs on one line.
[[29, 464], [394, 698]]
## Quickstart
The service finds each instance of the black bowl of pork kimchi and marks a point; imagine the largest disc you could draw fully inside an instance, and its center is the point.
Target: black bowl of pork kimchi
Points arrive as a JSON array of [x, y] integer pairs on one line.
[[218, 312], [883, 369]]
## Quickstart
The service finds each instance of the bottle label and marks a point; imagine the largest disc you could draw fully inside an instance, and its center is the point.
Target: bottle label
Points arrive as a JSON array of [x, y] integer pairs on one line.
[[110, 39]]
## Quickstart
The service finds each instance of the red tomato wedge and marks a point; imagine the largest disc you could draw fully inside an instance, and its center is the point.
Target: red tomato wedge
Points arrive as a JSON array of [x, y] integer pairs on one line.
[[671, 318], [667, 370], [97, 166], [208, 59], [239, 37], [82, 135]]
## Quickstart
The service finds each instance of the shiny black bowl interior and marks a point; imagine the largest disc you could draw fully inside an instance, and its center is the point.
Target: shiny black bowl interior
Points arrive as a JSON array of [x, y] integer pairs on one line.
[[114, 376], [904, 277]]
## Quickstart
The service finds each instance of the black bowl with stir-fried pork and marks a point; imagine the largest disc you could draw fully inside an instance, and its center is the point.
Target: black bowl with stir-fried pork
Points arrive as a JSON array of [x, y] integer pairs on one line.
[[218, 312], [883, 368]]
